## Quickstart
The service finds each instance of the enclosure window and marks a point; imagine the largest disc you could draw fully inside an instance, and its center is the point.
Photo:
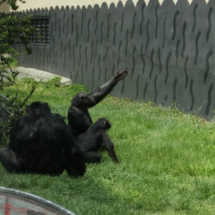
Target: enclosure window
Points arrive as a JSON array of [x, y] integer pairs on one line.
[[42, 25]]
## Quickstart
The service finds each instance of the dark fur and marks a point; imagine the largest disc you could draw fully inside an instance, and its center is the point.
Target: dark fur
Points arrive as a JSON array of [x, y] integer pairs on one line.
[[91, 141], [41, 143], [80, 121]]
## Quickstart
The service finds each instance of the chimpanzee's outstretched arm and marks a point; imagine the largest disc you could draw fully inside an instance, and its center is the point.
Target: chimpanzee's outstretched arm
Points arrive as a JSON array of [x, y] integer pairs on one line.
[[106, 88]]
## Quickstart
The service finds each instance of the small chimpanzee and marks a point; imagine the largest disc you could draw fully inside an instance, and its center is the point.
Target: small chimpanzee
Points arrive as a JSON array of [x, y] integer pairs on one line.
[[41, 143], [91, 141], [80, 121]]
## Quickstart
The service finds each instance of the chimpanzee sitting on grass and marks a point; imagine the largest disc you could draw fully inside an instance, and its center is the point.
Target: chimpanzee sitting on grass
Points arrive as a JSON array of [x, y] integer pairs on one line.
[[40, 143], [80, 123], [91, 141]]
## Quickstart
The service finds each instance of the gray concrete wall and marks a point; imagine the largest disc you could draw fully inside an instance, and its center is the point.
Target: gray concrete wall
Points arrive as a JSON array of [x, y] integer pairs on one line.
[[168, 49]]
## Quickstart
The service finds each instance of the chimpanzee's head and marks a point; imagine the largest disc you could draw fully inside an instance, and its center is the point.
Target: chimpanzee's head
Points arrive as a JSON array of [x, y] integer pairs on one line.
[[103, 123], [38, 108], [82, 99]]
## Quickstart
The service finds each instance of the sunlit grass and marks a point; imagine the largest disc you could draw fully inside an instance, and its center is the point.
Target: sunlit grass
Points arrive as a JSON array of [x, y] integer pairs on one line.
[[166, 160]]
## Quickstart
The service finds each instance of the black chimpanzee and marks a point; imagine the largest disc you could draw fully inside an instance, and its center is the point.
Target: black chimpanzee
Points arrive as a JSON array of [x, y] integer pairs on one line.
[[80, 122], [41, 143], [91, 141]]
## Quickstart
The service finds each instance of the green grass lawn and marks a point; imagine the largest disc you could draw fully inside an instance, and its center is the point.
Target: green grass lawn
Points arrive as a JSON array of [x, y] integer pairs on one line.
[[166, 161]]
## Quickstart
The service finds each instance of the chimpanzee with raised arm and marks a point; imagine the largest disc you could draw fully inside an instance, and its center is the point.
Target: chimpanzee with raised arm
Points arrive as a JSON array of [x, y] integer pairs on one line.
[[91, 136]]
